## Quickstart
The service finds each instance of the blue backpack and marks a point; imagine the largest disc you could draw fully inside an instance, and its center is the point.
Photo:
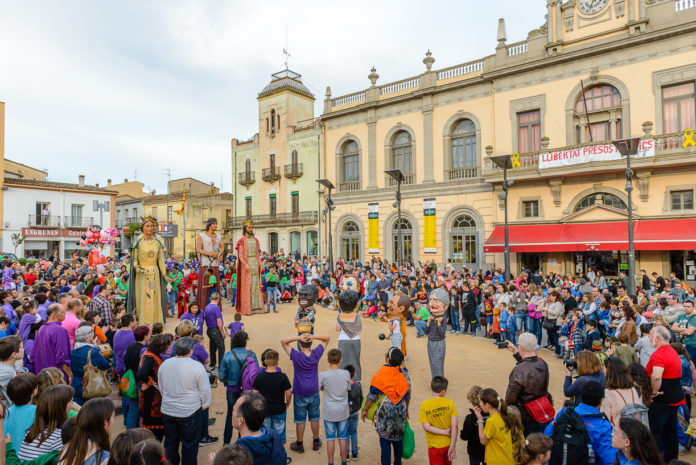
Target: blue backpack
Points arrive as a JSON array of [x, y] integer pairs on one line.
[[250, 370]]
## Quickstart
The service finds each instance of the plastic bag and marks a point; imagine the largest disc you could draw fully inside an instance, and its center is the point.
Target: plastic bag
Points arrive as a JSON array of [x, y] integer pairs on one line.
[[409, 442]]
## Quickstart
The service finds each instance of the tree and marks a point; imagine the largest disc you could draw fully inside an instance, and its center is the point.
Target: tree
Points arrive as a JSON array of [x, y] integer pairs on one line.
[[17, 239]]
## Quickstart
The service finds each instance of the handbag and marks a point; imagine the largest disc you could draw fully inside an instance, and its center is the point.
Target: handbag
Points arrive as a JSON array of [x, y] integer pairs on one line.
[[94, 382], [372, 409], [549, 323], [409, 442], [540, 410], [127, 387]]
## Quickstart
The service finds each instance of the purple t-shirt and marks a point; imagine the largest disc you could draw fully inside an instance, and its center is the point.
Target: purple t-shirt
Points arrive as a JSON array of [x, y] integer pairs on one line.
[[51, 347], [196, 319], [305, 380], [199, 353], [212, 313], [10, 312], [122, 339], [235, 327]]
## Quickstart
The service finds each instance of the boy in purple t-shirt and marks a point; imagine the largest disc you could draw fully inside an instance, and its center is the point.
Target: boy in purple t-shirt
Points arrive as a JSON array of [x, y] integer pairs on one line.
[[305, 385], [235, 327], [213, 320]]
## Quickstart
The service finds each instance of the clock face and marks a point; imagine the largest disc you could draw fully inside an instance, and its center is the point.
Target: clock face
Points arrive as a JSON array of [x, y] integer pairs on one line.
[[590, 7]]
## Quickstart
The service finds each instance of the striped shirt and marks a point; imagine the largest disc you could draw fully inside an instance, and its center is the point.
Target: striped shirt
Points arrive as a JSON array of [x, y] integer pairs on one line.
[[31, 451], [103, 308]]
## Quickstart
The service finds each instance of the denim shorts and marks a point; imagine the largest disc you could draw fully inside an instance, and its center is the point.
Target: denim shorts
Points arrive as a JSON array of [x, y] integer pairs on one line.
[[305, 406], [336, 429]]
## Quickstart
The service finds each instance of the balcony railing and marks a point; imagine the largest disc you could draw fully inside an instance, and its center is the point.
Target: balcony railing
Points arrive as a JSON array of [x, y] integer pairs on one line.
[[462, 173], [293, 170], [408, 179], [271, 174], [349, 186], [286, 219], [47, 221], [247, 178], [78, 221]]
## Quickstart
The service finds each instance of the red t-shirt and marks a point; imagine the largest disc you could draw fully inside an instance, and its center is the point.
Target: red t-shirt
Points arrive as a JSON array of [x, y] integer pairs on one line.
[[30, 278], [667, 358]]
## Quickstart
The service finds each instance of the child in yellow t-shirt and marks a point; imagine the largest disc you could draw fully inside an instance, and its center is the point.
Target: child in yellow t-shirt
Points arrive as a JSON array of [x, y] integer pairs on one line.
[[495, 435], [438, 416]]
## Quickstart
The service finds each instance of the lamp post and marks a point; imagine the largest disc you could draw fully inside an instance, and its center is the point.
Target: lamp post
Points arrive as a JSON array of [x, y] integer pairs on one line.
[[504, 162], [398, 176], [329, 206], [627, 148]]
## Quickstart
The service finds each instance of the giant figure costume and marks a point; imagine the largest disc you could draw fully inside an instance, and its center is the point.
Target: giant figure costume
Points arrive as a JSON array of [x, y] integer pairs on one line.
[[248, 278], [147, 296], [350, 327]]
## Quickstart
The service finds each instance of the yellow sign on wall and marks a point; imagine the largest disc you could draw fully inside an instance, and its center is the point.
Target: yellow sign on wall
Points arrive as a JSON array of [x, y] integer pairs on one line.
[[429, 228], [373, 228]]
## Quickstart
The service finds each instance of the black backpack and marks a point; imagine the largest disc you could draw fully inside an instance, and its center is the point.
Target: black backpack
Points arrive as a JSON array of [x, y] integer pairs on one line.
[[571, 444]]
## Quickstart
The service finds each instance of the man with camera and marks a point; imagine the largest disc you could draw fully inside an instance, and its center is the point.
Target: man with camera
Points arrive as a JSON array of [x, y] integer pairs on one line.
[[528, 385]]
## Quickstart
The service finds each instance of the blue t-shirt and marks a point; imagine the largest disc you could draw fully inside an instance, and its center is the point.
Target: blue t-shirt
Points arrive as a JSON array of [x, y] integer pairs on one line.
[[17, 422], [212, 313]]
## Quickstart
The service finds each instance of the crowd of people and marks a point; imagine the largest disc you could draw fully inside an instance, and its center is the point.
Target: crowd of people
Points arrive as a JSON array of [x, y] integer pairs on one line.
[[69, 349]]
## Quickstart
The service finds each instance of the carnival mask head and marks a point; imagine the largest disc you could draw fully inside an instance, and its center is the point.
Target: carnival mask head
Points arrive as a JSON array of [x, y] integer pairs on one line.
[[248, 228], [349, 282], [209, 224], [348, 300], [307, 295], [439, 300]]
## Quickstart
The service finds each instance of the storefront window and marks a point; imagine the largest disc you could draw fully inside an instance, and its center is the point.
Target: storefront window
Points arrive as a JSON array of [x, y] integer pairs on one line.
[[608, 262]]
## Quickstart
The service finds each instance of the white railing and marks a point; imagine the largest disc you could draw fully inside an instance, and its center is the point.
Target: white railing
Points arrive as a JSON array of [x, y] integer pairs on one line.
[[680, 5], [399, 85], [460, 70], [519, 48], [350, 98]]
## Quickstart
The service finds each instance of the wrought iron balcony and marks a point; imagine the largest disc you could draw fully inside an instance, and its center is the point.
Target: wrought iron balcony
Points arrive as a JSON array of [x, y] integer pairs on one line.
[[46, 221], [349, 186], [271, 174], [304, 218], [78, 221], [247, 178], [293, 170]]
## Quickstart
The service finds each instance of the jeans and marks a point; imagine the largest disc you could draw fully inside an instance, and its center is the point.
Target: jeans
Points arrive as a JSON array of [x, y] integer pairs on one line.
[[171, 297], [512, 336], [336, 430], [217, 345], [186, 431], [535, 328], [304, 407], [469, 323], [552, 335], [521, 322], [271, 298], [386, 446], [692, 351], [234, 296], [353, 433], [277, 424], [232, 397], [454, 319], [663, 426], [420, 327], [130, 412]]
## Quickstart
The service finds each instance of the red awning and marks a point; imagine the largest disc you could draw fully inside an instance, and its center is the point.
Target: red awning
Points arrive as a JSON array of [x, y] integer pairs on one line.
[[578, 237]]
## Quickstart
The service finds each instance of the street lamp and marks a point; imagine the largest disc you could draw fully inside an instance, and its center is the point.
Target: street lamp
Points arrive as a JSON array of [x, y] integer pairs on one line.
[[329, 206], [627, 148], [504, 162], [399, 177]]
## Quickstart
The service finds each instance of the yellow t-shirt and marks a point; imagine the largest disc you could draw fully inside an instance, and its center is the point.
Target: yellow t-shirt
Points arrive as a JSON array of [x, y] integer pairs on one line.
[[499, 446], [437, 412]]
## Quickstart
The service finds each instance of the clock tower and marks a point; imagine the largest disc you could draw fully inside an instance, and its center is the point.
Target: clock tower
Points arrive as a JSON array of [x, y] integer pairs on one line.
[[574, 22]]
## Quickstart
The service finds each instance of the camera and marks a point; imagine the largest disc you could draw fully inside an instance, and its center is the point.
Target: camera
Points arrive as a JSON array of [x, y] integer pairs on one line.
[[571, 364], [501, 345]]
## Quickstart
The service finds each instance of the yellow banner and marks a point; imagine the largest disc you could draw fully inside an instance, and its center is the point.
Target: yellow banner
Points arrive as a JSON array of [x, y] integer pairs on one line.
[[373, 228], [429, 227]]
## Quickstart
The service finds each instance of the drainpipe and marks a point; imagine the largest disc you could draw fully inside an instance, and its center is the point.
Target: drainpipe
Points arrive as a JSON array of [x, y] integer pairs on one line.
[[319, 176]]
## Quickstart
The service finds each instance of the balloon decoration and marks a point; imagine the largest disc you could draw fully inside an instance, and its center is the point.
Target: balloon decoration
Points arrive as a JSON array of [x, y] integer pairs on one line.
[[95, 237]]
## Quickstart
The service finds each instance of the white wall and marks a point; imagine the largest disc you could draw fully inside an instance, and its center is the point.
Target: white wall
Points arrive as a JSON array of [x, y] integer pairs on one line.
[[19, 203]]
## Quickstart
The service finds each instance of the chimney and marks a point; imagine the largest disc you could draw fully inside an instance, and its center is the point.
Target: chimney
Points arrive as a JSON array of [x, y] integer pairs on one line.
[[125, 180], [108, 183], [81, 180], [96, 185]]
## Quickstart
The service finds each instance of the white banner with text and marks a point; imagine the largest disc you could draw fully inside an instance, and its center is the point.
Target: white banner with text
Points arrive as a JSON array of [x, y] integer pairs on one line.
[[591, 153]]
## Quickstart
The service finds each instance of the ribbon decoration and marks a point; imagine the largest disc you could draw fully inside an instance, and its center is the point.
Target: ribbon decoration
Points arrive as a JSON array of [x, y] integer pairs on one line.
[[689, 138], [516, 160]]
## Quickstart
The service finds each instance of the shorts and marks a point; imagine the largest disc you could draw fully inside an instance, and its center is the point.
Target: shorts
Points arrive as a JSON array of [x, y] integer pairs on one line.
[[336, 429], [489, 320], [438, 456], [304, 407]]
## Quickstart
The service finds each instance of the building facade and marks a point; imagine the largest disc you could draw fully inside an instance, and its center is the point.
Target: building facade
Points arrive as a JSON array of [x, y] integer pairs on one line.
[[594, 72], [52, 216], [275, 172]]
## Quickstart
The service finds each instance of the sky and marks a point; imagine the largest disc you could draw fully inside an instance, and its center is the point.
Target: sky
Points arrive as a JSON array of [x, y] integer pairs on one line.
[[131, 89]]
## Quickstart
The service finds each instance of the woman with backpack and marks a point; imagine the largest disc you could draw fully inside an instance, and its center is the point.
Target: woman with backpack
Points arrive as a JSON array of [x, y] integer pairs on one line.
[[619, 392], [232, 374]]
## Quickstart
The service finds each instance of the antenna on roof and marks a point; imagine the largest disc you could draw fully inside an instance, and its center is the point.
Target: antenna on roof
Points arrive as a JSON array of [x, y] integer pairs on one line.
[[286, 49]]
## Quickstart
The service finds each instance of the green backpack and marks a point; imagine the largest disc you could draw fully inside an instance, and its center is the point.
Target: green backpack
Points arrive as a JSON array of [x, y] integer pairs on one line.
[[127, 387]]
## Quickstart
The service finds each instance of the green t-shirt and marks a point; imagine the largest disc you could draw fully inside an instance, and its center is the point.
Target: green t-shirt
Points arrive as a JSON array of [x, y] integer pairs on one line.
[[122, 286], [270, 277], [686, 322], [423, 313], [234, 280], [177, 277], [212, 280]]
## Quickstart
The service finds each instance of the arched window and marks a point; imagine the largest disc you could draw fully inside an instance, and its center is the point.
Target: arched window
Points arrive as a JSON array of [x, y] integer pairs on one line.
[[350, 241], [601, 198], [464, 241], [350, 158], [464, 145], [401, 153], [601, 105], [406, 239]]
